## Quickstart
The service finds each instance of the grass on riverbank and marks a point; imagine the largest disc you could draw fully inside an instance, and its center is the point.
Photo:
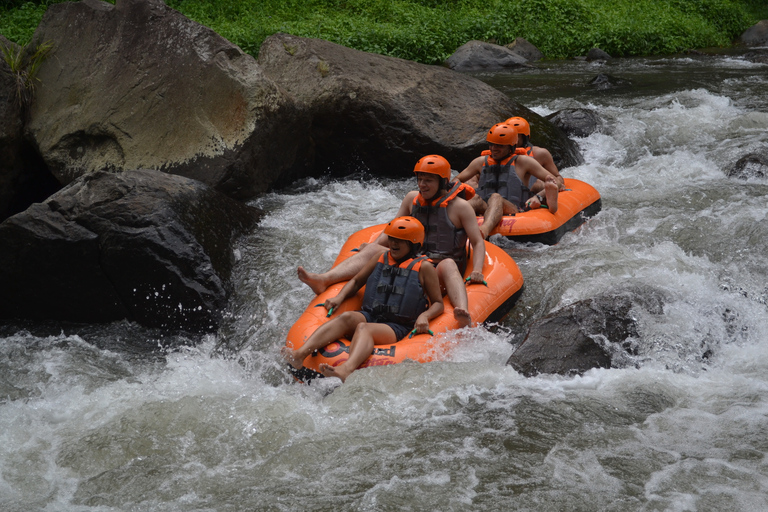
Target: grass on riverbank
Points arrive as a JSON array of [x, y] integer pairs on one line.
[[429, 31]]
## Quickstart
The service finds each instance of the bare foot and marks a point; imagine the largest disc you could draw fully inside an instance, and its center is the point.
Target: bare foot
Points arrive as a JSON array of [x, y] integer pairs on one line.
[[292, 357], [551, 192], [334, 371], [462, 316], [485, 232], [312, 280]]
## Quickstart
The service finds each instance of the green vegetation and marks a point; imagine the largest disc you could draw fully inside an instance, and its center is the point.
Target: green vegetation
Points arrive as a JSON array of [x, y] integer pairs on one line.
[[430, 30], [24, 64]]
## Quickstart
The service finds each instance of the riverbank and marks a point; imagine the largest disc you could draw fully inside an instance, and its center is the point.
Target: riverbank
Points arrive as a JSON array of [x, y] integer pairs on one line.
[[429, 31]]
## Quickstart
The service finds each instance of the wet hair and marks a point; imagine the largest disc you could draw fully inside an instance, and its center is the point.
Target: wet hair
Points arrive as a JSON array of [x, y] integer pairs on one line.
[[526, 139]]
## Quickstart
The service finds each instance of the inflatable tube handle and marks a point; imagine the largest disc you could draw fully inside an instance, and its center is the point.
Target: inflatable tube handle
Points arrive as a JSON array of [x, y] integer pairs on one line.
[[414, 332]]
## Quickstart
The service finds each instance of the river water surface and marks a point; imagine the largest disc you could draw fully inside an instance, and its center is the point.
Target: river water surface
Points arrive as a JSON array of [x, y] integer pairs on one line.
[[90, 422]]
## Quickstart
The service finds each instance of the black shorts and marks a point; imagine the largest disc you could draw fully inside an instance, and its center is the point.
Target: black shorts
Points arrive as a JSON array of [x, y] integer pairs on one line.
[[401, 331]]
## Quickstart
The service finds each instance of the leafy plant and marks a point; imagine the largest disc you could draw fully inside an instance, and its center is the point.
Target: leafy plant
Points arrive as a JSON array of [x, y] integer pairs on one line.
[[429, 31], [23, 67]]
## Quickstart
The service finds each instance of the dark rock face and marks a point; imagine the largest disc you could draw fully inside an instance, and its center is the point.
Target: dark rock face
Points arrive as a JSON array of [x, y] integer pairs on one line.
[[139, 86], [584, 335], [525, 49], [482, 56], [603, 82], [759, 56], [11, 131], [597, 54], [753, 165], [382, 114], [756, 35], [142, 245], [577, 122]]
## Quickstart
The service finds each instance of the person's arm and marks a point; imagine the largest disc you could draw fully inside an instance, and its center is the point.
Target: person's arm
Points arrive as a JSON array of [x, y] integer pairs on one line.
[[472, 170], [527, 166], [544, 158], [353, 285], [469, 224], [431, 285]]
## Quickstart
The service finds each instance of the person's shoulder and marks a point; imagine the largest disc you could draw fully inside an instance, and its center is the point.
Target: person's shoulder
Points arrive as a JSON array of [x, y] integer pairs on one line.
[[476, 163], [410, 196]]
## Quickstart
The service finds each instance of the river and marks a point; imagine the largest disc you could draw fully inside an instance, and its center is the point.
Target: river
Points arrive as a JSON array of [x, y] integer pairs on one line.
[[104, 418]]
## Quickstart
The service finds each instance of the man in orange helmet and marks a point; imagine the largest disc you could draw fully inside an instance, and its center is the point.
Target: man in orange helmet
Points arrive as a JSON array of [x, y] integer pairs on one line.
[[501, 180], [541, 155], [449, 221]]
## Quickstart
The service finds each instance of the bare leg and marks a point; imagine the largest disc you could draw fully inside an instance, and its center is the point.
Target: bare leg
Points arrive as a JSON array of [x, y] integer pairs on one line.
[[344, 271], [366, 336], [478, 205], [492, 215], [343, 325], [453, 282]]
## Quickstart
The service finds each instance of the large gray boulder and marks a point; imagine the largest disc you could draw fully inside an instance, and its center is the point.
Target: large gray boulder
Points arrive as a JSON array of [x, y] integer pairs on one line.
[[525, 49], [138, 85], [482, 56], [588, 334], [756, 35], [381, 114], [142, 245], [577, 122]]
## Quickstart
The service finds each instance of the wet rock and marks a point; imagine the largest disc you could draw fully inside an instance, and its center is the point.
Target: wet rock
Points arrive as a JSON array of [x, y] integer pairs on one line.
[[596, 54], [482, 56], [756, 35], [603, 82], [381, 114], [525, 49], [753, 165], [758, 56], [24, 178], [577, 122], [584, 335], [11, 131], [138, 85], [141, 245]]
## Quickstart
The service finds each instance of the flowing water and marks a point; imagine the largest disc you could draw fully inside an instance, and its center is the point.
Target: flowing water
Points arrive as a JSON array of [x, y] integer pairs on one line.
[[106, 419]]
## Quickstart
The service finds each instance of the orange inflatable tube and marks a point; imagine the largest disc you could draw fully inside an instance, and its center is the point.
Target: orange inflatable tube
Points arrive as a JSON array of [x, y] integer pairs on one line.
[[486, 304], [574, 205]]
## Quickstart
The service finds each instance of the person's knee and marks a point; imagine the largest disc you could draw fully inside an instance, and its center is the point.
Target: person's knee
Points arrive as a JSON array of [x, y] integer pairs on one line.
[[495, 200], [363, 329], [447, 267]]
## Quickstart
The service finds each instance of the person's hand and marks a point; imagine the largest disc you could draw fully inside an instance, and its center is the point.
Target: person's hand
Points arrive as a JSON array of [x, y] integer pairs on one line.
[[332, 303], [476, 278], [422, 324], [533, 203]]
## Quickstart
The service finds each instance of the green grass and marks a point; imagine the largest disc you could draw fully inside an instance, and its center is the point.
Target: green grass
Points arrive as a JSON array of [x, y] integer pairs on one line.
[[430, 30]]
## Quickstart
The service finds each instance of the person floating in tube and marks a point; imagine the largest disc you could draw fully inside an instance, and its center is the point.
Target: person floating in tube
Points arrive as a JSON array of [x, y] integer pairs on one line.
[[402, 294], [450, 222], [500, 181]]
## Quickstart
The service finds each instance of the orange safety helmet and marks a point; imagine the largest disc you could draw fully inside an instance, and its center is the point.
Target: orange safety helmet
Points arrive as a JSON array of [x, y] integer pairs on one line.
[[434, 164], [520, 124], [406, 228], [502, 134]]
